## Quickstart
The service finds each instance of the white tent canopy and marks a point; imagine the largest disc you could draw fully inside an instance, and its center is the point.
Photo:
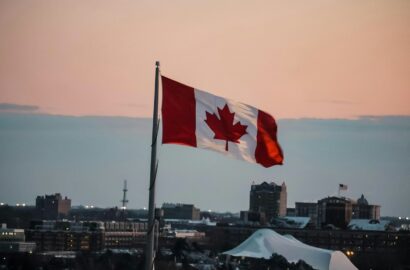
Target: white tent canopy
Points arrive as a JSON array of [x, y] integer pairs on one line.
[[264, 242]]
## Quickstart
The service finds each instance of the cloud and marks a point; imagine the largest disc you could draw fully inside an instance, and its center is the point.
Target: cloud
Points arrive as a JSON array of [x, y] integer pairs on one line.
[[11, 107]]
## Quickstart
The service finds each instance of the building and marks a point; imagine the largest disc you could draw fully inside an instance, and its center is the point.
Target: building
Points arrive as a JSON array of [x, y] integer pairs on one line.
[[124, 234], [91, 213], [17, 216], [363, 210], [253, 217], [180, 211], [307, 209], [53, 206], [86, 235], [14, 240], [66, 235], [291, 212], [367, 249], [334, 212], [268, 198], [193, 234], [339, 211], [371, 225]]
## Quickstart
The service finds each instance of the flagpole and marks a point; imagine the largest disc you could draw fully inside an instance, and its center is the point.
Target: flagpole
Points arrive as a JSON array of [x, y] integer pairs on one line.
[[149, 250]]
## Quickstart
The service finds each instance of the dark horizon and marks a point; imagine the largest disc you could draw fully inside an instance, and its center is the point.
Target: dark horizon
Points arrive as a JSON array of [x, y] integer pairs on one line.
[[369, 154]]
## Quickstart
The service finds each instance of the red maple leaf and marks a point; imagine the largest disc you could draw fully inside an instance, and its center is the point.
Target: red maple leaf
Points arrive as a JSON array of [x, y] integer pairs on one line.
[[224, 128]]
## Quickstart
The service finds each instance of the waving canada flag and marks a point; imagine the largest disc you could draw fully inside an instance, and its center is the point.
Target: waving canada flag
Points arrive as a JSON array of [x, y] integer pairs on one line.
[[196, 118]]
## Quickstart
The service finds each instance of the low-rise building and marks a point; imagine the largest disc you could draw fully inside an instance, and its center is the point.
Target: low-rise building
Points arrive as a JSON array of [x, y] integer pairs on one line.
[[290, 212], [253, 217], [180, 211], [307, 209], [66, 235], [124, 234], [14, 240]]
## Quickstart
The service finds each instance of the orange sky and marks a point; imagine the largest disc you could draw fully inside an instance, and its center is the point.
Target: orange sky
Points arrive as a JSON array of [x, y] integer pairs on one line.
[[319, 58]]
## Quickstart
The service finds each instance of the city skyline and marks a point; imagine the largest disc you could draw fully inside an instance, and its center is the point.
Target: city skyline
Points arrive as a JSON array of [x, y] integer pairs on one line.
[[334, 75]]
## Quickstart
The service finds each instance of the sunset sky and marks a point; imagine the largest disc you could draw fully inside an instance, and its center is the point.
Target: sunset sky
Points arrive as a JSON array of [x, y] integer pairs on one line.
[[336, 75], [294, 59]]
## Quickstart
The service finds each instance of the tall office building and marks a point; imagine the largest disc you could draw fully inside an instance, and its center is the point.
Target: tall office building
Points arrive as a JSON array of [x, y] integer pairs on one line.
[[53, 206], [268, 198]]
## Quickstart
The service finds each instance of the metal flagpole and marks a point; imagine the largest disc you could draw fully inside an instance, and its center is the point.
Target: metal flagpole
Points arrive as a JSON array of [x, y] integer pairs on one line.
[[149, 250]]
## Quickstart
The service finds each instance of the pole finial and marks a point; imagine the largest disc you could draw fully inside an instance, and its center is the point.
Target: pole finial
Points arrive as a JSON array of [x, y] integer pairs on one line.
[[157, 63]]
